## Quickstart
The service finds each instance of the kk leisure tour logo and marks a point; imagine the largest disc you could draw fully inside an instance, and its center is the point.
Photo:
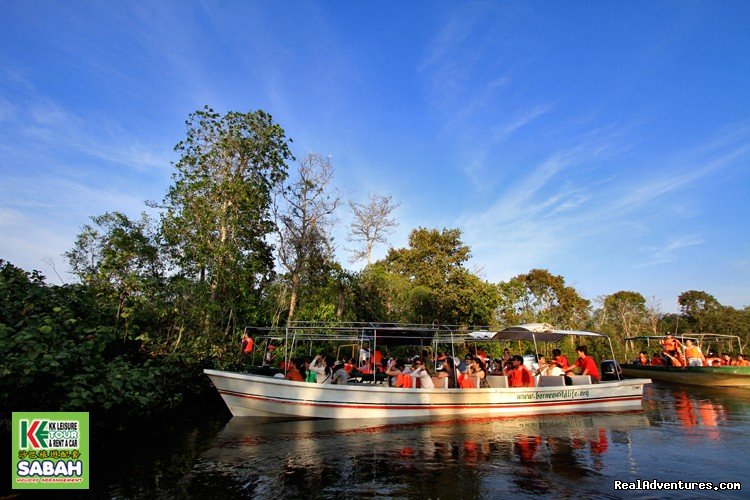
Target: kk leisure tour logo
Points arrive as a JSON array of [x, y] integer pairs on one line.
[[50, 450]]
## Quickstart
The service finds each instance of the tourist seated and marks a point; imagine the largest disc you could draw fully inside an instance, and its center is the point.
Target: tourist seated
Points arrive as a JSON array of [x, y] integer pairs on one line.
[[296, 371], [642, 359], [741, 361], [540, 366], [340, 375], [419, 372], [674, 360], [657, 360], [507, 359], [449, 371], [726, 359], [712, 359], [670, 344], [561, 359], [477, 369], [464, 382], [552, 369], [395, 372], [693, 354], [518, 374], [321, 367], [585, 365]]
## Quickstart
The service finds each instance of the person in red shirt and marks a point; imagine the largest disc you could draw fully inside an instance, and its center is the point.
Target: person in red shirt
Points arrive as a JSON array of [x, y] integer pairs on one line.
[[562, 361], [518, 374], [585, 365]]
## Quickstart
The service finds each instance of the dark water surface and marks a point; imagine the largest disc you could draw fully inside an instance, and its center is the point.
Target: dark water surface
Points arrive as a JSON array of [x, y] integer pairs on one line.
[[683, 433]]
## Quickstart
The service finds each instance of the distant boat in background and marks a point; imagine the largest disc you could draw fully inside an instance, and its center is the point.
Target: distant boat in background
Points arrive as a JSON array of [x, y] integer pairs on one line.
[[711, 376]]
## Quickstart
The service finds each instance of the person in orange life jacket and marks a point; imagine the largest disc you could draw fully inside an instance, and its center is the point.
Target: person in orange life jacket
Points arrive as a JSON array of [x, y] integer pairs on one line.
[[562, 360], [518, 374], [247, 343], [693, 354], [395, 372], [584, 365], [671, 344], [712, 359], [657, 360], [642, 359], [294, 373], [740, 361], [675, 360], [726, 359]]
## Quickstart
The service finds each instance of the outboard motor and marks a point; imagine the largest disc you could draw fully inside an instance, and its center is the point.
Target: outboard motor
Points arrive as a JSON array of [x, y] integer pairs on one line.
[[610, 370]]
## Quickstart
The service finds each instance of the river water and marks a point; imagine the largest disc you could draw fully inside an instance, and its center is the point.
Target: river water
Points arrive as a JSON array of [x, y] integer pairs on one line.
[[682, 434]]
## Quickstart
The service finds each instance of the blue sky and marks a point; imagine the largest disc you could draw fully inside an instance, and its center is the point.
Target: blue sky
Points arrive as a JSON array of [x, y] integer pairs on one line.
[[606, 141]]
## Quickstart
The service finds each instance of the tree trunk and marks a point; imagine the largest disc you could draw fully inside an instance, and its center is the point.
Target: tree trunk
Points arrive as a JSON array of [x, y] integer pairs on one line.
[[293, 297]]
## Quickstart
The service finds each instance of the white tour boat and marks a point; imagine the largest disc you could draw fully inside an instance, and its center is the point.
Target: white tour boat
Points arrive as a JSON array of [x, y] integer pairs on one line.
[[263, 395]]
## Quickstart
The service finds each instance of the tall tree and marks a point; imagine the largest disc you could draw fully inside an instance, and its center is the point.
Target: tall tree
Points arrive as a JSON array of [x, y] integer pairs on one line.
[[120, 260], [218, 210], [542, 296], [627, 310], [371, 224], [305, 217], [440, 288], [697, 307]]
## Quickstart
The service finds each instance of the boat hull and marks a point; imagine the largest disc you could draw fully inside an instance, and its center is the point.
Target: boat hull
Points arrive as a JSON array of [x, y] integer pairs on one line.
[[714, 376], [255, 395]]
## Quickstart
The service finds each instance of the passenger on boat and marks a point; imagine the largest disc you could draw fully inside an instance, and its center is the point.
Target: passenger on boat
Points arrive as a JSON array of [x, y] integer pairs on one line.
[[419, 372], [507, 359], [671, 344], [477, 369], [247, 343], [340, 376], [268, 356], [657, 360], [519, 375], [726, 359], [741, 361], [395, 372], [348, 365], [539, 366], [673, 360], [694, 354], [450, 372], [295, 373], [712, 359], [552, 369], [585, 365], [321, 366], [642, 359], [561, 359]]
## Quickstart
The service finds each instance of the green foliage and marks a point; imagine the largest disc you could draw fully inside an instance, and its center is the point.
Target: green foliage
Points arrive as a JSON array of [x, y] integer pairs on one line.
[[59, 353], [540, 296]]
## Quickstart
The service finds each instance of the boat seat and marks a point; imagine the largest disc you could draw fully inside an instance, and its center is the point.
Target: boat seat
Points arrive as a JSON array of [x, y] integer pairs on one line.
[[552, 381], [581, 379], [440, 383], [497, 381]]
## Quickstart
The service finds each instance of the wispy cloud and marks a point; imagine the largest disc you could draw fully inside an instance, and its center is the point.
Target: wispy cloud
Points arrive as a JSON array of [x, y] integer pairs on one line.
[[525, 117], [668, 252]]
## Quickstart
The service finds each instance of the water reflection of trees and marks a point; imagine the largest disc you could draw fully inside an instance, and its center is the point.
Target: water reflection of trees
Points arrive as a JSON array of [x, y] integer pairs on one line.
[[438, 459]]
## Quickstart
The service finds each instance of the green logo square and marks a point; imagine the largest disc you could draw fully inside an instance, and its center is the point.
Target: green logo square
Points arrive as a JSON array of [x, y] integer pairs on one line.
[[50, 450]]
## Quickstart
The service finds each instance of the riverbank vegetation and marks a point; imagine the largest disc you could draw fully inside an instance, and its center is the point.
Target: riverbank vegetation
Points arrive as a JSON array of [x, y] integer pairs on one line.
[[243, 236]]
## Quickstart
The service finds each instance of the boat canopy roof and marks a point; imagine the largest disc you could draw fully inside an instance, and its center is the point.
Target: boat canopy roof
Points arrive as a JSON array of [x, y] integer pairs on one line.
[[415, 334], [542, 332], [695, 337]]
